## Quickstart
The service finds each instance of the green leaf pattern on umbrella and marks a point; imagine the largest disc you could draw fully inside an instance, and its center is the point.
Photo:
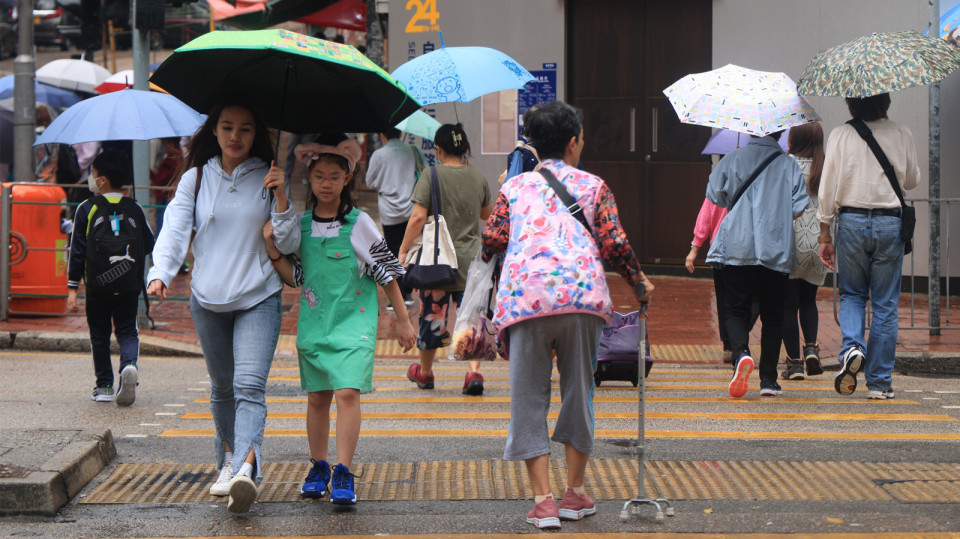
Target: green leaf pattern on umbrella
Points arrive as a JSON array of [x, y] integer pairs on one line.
[[879, 63]]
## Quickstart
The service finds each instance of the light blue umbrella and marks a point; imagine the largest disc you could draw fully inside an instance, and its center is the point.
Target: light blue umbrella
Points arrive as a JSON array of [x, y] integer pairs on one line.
[[420, 124], [124, 115], [44, 93], [460, 74]]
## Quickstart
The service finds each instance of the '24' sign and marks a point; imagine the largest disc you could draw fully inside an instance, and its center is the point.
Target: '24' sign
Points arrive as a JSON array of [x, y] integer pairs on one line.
[[426, 12]]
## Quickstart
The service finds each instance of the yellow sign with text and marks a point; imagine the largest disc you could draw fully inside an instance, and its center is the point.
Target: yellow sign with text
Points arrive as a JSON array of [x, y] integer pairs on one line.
[[425, 16]]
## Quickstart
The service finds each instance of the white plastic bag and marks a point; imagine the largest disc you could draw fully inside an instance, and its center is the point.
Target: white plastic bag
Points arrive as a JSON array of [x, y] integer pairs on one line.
[[474, 337]]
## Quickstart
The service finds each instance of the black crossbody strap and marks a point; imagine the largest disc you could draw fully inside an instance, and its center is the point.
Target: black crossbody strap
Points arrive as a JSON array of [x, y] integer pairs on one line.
[[871, 141], [750, 180], [572, 205]]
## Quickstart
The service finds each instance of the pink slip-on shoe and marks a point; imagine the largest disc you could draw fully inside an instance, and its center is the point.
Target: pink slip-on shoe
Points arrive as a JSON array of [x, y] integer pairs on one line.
[[545, 514], [574, 506]]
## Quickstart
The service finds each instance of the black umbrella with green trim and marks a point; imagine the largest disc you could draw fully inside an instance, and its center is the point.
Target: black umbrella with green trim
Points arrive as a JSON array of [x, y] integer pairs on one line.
[[301, 84]]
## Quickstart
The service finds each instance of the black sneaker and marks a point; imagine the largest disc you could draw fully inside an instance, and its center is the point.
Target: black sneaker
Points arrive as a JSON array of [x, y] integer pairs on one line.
[[794, 370], [769, 388], [811, 356], [850, 364]]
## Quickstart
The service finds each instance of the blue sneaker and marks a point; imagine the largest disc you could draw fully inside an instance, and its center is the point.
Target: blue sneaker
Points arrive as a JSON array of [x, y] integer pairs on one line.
[[342, 492], [315, 485], [769, 387]]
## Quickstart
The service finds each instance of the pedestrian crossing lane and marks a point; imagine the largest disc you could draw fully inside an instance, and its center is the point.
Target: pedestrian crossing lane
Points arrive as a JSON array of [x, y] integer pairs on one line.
[[682, 402]]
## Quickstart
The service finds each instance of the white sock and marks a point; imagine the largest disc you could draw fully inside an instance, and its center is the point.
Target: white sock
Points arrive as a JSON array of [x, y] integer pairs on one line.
[[246, 469], [538, 499], [579, 491], [228, 458]]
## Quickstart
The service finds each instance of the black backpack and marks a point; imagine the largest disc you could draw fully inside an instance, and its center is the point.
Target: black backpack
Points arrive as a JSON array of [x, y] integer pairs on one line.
[[115, 250]]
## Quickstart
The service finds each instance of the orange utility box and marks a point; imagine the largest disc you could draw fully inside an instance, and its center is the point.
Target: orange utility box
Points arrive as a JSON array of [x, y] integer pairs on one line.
[[32, 271]]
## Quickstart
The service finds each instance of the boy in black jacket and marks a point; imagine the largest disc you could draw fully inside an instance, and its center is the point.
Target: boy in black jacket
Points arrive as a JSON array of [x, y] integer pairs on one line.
[[110, 239]]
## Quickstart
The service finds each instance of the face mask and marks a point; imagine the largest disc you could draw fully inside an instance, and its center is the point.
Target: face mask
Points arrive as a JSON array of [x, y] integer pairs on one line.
[[92, 184]]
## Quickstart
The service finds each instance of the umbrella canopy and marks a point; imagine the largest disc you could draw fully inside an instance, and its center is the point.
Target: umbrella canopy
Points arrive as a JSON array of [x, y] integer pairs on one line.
[[301, 84], [420, 124], [78, 75], [725, 141], [121, 80], [879, 63], [460, 74], [740, 99], [124, 115], [43, 93]]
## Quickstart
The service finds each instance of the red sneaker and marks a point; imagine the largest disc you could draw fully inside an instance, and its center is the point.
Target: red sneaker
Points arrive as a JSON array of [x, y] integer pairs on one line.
[[423, 381], [545, 514], [473, 384], [574, 506]]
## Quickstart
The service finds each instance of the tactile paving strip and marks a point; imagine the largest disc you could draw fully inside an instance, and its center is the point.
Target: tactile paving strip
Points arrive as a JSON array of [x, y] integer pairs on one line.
[[916, 482]]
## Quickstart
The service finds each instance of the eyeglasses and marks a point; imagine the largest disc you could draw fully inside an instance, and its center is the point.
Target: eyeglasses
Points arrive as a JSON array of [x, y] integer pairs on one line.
[[326, 179]]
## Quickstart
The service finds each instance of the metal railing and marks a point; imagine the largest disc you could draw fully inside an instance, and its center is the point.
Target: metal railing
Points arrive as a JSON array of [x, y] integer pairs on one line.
[[23, 248], [910, 277]]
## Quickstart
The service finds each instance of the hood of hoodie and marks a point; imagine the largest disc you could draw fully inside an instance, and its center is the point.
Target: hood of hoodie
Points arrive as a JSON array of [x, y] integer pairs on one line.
[[231, 266]]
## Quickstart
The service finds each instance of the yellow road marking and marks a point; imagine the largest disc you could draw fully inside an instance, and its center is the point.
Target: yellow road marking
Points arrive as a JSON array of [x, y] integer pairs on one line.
[[500, 433], [501, 400], [620, 415]]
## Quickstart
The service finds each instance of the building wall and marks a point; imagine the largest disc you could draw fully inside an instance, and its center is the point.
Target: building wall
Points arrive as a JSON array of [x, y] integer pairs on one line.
[[529, 31], [792, 33]]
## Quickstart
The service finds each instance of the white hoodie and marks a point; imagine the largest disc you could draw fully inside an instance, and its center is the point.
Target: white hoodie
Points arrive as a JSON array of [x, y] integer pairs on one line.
[[231, 269]]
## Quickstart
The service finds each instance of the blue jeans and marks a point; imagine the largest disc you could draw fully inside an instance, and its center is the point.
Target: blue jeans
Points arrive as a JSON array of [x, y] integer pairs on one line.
[[869, 256], [238, 347]]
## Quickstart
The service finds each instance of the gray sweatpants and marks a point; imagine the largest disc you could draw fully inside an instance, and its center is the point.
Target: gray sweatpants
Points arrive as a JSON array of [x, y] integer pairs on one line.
[[575, 337]]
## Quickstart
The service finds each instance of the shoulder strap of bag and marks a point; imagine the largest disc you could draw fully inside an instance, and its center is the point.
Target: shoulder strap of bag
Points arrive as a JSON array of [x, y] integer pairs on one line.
[[572, 205], [435, 204], [417, 161], [871, 141], [750, 180]]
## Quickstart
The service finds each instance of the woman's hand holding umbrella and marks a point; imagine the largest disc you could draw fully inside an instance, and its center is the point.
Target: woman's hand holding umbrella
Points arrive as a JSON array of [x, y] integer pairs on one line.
[[275, 181]]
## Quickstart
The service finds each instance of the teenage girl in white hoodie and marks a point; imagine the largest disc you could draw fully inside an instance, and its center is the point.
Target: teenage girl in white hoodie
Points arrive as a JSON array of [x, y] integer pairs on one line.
[[235, 300]]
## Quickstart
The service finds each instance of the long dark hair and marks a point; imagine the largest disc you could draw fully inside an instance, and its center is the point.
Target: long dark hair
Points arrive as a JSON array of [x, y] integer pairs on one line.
[[204, 144], [806, 140], [346, 198]]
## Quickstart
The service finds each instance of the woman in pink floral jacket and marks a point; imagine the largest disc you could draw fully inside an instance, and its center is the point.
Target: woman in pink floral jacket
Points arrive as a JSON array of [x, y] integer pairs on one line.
[[553, 295]]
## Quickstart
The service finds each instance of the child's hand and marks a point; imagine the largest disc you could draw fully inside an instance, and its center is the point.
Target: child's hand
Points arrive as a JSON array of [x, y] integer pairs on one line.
[[72, 300], [406, 335], [157, 289], [268, 231]]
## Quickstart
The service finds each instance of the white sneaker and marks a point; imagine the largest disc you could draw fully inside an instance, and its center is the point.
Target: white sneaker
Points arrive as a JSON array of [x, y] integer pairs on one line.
[[243, 492], [881, 395], [222, 486], [127, 392]]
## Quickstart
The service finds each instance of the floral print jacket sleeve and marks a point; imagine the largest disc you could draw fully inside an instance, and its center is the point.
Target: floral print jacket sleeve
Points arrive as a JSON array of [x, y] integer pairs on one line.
[[615, 249]]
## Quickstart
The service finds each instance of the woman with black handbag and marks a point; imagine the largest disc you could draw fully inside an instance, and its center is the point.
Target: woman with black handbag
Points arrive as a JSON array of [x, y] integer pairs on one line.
[[466, 200]]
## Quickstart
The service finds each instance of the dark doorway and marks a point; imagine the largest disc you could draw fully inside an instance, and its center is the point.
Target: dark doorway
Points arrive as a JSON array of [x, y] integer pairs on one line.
[[621, 55]]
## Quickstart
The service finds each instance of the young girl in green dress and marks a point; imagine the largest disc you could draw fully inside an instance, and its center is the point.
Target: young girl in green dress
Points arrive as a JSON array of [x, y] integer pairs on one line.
[[343, 259]]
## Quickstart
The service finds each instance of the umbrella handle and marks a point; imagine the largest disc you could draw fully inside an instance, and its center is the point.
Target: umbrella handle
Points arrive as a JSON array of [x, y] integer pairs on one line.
[[283, 107]]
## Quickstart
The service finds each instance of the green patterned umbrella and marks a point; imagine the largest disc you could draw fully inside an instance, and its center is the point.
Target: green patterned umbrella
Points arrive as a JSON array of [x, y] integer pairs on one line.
[[301, 84], [879, 63]]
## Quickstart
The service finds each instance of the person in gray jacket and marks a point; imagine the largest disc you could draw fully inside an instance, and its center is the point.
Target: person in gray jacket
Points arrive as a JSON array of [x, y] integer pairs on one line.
[[756, 250], [235, 300], [393, 172]]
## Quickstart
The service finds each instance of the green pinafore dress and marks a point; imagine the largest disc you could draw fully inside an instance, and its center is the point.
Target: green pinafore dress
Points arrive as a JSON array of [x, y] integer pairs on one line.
[[337, 325]]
